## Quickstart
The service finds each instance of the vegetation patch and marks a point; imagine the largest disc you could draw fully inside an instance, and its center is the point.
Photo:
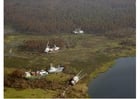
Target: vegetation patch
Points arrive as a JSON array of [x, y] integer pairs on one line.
[[86, 52]]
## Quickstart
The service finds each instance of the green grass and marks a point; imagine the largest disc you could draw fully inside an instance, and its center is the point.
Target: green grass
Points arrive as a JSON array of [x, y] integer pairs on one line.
[[60, 77], [28, 93], [102, 69], [90, 53]]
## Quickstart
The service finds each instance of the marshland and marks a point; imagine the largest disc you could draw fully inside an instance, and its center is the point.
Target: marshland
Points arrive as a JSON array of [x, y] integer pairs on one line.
[[109, 33]]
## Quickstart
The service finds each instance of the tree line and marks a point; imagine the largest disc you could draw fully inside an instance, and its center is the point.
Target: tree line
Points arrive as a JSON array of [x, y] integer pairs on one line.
[[63, 16]]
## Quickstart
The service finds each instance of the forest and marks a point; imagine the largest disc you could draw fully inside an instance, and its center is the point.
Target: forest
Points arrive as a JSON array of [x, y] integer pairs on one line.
[[63, 16]]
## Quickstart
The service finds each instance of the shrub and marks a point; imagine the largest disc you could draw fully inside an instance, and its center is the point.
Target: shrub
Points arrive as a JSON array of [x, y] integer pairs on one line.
[[17, 74]]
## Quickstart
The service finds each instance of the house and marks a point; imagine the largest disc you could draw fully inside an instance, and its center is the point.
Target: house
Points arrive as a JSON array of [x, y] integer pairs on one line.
[[76, 78], [37, 74], [53, 69], [48, 49], [78, 31]]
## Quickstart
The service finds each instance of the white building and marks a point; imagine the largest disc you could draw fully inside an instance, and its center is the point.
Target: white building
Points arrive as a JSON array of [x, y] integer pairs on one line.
[[53, 49], [78, 31], [76, 78], [53, 69]]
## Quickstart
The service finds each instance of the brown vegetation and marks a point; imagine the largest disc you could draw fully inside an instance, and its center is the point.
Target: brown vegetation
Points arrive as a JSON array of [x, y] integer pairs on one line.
[[63, 16], [40, 45], [16, 80], [128, 43]]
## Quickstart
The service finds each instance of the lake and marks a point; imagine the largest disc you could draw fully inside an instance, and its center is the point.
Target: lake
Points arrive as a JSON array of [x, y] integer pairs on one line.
[[118, 81]]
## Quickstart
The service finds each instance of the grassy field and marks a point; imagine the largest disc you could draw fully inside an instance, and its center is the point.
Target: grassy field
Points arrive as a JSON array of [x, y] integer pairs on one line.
[[91, 53]]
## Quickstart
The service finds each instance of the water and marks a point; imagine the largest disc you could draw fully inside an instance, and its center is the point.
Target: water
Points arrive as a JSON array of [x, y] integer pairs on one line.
[[119, 81]]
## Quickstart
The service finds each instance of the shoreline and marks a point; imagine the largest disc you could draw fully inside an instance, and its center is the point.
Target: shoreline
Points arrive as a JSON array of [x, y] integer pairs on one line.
[[94, 59]]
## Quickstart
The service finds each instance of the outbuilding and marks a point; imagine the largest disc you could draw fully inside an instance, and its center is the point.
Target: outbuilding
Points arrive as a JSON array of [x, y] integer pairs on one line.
[[78, 31]]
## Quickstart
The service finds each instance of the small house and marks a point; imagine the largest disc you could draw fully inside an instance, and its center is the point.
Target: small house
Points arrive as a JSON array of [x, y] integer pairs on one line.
[[53, 69], [53, 49], [78, 31]]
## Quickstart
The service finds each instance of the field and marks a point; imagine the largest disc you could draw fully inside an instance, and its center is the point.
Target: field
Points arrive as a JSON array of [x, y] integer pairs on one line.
[[93, 54]]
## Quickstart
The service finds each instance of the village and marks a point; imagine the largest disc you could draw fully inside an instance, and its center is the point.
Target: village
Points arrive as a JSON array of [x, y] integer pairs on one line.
[[52, 69], [56, 48], [48, 49], [40, 74], [59, 65]]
